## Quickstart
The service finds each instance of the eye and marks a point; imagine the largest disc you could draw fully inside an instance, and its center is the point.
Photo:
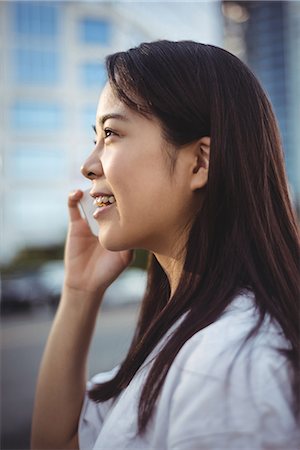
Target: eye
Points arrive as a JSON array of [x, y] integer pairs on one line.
[[108, 133]]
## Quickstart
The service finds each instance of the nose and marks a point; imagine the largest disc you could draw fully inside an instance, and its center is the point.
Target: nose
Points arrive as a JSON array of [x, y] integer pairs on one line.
[[92, 167]]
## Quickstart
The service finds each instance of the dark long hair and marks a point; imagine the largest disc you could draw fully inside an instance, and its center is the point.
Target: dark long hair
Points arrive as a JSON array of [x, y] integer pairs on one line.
[[245, 235]]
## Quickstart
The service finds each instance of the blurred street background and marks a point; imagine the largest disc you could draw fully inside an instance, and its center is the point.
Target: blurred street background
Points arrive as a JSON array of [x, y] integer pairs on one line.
[[51, 73]]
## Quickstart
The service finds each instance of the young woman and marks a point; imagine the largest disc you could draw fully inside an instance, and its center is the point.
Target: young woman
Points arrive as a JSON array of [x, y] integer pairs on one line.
[[187, 164]]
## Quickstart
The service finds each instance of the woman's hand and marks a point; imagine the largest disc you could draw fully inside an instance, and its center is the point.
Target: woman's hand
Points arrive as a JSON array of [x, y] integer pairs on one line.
[[89, 266]]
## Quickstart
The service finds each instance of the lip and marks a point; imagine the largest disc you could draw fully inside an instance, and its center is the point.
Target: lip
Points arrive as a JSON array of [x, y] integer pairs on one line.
[[100, 194], [102, 210]]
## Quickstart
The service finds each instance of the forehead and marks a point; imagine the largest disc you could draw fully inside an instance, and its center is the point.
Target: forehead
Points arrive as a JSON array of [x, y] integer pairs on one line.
[[109, 103]]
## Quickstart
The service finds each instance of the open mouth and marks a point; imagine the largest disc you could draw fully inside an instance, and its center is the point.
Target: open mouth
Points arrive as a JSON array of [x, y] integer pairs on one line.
[[104, 200]]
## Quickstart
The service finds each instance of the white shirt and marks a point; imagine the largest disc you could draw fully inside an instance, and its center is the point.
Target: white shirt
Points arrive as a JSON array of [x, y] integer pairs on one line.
[[199, 408]]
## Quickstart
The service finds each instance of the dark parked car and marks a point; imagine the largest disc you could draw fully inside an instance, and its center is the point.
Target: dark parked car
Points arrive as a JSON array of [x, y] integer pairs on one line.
[[22, 290], [43, 286]]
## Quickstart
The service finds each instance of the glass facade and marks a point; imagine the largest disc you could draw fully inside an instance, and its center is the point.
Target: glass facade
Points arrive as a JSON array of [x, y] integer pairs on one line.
[[89, 118], [36, 163], [36, 66], [266, 55], [95, 31], [93, 75], [35, 18], [35, 58], [35, 117]]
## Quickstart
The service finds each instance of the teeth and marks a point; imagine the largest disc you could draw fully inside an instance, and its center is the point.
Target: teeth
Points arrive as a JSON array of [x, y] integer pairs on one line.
[[103, 200]]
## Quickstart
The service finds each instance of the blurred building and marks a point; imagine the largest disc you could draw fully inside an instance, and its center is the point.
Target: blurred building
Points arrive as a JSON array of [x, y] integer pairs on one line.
[[52, 71], [266, 35]]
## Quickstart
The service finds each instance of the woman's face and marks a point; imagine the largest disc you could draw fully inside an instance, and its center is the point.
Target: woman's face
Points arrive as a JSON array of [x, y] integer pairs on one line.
[[152, 206]]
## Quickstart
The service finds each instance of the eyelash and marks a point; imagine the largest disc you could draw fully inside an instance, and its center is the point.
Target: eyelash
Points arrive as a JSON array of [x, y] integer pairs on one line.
[[95, 131], [106, 130]]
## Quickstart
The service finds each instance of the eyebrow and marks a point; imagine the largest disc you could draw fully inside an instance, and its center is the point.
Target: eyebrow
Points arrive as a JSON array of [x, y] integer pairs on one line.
[[104, 118]]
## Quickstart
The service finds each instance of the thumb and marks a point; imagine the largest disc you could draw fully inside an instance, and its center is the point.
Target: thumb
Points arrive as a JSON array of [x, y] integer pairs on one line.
[[73, 200]]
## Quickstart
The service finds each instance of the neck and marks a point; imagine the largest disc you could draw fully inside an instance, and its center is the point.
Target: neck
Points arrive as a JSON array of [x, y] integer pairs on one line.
[[172, 267]]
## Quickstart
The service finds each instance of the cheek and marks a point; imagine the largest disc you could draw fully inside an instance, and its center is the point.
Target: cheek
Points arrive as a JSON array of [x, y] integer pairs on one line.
[[130, 173], [138, 175], [114, 169]]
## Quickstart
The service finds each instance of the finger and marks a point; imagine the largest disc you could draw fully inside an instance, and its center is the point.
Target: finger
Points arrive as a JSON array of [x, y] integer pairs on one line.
[[73, 200]]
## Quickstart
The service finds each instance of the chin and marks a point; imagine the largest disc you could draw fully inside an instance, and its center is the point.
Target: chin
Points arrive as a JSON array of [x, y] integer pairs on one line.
[[114, 245]]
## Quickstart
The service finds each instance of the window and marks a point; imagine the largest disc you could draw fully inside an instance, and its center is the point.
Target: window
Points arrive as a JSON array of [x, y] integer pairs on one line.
[[36, 66], [35, 18], [95, 31], [32, 163], [93, 74], [36, 116]]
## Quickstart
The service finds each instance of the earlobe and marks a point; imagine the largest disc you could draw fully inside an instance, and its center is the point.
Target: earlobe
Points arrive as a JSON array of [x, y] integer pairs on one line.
[[201, 164]]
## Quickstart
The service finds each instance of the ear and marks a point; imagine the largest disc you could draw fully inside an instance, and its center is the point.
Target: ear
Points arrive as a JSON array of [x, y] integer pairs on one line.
[[200, 165]]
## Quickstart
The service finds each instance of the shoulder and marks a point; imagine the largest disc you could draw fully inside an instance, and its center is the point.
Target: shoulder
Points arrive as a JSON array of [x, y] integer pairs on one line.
[[221, 385], [216, 348]]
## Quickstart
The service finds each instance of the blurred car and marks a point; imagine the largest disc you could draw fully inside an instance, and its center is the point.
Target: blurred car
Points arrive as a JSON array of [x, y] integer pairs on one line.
[[128, 288], [22, 290], [51, 276], [44, 286]]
